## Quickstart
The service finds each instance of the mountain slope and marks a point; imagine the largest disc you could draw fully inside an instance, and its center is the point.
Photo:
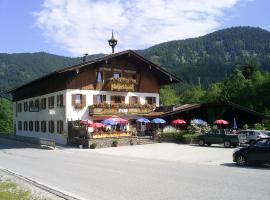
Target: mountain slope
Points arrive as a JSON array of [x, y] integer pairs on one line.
[[214, 55], [209, 57]]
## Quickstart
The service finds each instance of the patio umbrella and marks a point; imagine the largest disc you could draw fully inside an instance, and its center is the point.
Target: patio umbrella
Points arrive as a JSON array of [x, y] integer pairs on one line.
[[85, 122], [114, 120], [221, 121], [198, 122], [143, 120], [158, 121], [108, 122], [178, 121], [234, 124], [97, 125]]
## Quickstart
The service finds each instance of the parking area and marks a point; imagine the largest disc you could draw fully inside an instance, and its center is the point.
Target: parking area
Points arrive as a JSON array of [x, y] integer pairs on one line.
[[213, 155]]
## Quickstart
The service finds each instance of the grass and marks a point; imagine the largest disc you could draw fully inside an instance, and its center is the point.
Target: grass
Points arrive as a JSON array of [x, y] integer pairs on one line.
[[11, 191]]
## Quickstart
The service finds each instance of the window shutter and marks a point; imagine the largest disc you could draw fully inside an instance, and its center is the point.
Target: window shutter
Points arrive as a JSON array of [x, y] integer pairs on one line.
[[122, 99], [83, 100], [58, 126], [94, 99], [130, 100], [112, 99], [73, 99], [103, 98], [61, 100], [139, 100]]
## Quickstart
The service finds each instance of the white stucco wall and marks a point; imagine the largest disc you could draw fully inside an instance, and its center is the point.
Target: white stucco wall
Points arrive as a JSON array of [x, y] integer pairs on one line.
[[73, 114], [41, 115], [67, 112]]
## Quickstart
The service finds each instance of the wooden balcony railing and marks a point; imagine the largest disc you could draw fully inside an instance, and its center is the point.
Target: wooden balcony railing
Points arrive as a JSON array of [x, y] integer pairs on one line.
[[121, 84], [114, 109]]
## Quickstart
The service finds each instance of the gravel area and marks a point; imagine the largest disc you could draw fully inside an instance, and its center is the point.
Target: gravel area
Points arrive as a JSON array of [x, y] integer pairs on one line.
[[35, 192]]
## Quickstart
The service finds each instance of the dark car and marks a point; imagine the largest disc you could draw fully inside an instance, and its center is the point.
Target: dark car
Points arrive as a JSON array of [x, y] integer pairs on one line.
[[218, 137], [255, 154]]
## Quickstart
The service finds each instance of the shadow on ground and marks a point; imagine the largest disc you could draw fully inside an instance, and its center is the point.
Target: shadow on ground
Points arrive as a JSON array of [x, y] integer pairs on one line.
[[234, 165]]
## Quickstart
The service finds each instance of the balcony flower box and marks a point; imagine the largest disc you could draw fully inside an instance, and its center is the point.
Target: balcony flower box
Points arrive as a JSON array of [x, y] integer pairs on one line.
[[121, 84]]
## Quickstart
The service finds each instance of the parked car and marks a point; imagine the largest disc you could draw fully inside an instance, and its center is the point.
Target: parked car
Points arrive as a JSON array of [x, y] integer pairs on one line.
[[267, 133], [259, 153], [250, 136], [218, 137]]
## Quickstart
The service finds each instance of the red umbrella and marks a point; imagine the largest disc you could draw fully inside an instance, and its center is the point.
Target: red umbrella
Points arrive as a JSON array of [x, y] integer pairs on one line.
[[97, 125], [85, 122], [118, 120], [178, 121], [221, 121]]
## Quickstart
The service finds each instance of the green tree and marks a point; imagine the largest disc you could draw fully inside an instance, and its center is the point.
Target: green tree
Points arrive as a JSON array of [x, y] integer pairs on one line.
[[5, 116], [168, 96], [194, 94]]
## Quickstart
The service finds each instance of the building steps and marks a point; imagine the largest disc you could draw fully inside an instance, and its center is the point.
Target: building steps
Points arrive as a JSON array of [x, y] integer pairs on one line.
[[145, 140]]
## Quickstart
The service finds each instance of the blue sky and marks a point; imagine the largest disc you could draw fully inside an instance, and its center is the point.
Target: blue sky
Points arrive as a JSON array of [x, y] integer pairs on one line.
[[73, 27]]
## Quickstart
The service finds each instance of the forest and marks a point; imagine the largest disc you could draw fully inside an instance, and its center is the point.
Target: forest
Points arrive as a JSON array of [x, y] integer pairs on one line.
[[232, 64]]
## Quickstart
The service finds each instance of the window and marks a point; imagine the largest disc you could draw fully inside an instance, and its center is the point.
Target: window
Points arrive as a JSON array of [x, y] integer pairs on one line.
[[25, 106], [51, 102], [31, 106], [150, 100], [60, 100], [78, 99], [19, 107], [20, 125], [43, 126], [60, 126], [133, 100], [116, 75], [37, 126], [117, 99], [100, 77], [99, 99], [25, 127], [30, 125], [43, 103], [37, 104], [51, 126]]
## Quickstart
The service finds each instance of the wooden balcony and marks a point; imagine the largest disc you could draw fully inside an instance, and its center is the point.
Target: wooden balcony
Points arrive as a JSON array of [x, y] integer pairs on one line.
[[116, 109], [121, 84]]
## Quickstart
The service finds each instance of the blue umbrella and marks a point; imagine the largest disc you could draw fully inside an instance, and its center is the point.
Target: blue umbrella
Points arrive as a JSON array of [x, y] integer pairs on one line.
[[158, 121], [109, 122], [143, 120], [198, 121], [234, 124]]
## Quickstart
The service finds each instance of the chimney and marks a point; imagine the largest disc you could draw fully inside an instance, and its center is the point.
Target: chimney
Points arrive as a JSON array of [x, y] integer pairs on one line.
[[84, 57]]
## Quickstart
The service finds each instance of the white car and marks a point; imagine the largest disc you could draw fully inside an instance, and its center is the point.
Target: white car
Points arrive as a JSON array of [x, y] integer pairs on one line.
[[250, 136]]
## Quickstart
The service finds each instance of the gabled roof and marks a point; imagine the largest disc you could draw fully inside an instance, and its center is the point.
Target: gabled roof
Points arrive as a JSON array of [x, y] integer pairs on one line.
[[173, 78], [187, 107]]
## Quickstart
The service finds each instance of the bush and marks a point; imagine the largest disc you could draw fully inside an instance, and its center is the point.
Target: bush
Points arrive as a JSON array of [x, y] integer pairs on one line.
[[171, 137], [189, 138], [246, 126], [93, 145], [114, 143], [169, 129], [258, 126]]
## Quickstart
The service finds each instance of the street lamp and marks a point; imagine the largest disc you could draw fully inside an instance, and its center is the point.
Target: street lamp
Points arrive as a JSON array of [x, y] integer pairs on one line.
[[112, 42]]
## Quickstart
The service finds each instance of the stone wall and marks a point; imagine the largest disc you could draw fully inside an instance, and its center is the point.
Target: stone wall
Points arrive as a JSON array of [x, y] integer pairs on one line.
[[108, 142]]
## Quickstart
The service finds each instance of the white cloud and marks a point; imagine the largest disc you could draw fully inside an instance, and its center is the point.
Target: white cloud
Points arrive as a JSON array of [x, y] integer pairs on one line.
[[80, 26]]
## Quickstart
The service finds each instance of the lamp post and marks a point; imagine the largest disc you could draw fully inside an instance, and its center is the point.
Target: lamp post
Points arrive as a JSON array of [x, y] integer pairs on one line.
[[112, 42]]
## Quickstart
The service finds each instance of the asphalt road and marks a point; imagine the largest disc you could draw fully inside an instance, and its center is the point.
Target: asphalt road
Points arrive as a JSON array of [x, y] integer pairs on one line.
[[99, 175]]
